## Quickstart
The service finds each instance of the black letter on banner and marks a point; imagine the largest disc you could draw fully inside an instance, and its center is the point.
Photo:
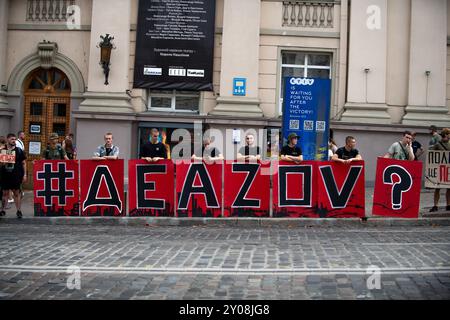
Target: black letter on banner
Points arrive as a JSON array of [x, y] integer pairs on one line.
[[339, 199], [398, 188], [102, 172], [206, 188], [251, 169], [142, 186], [48, 192], [306, 172]]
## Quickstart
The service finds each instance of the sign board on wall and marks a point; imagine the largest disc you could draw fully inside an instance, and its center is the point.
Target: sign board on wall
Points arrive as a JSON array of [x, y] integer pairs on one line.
[[306, 112], [175, 45]]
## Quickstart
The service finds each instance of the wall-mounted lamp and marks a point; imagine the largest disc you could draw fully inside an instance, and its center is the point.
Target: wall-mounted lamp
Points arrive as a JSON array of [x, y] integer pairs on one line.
[[366, 70], [427, 73], [105, 54]]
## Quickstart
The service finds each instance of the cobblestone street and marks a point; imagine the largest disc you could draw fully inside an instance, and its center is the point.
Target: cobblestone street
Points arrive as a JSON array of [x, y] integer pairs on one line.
[[223, 263]]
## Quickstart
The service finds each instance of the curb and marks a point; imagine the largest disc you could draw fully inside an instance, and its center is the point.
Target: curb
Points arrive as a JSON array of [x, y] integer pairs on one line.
[[228, 222]]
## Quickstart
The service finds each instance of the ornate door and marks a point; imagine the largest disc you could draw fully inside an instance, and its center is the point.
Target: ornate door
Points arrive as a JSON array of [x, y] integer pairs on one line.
[[46, 110]]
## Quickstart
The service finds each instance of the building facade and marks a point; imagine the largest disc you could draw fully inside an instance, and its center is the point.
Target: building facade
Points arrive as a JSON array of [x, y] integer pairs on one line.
[[387, 60]]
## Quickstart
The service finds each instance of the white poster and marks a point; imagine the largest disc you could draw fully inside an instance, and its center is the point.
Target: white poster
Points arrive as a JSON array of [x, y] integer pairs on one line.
[[437, 170], [35, 147]]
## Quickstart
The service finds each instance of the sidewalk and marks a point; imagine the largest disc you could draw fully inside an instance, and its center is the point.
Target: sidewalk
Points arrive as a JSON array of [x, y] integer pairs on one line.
[[440, 217]]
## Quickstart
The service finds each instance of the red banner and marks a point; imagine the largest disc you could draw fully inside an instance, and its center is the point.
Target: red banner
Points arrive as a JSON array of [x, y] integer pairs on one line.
[[397, 188], [56, 192], [247, 189], [151, 188], [294, 192], [102, 188], [198, 189], [340, 189]]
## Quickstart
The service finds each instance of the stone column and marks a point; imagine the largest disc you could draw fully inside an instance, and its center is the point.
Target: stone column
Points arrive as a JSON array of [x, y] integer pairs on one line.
[[240, 58], [107, 108], [399, 21], [428, 52], [109, 17], [5, 112], [366, 95]]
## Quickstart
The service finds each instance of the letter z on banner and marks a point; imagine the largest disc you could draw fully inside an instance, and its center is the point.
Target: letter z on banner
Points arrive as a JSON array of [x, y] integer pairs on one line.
[[102, 188], [397, 188], [56, 188], [198, 189], [340, 189], [151, 188], [294, 193], [247, 189]]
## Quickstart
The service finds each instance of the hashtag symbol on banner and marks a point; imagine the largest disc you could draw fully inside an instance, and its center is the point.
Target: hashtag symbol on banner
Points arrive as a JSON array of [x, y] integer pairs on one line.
[[60, 192]]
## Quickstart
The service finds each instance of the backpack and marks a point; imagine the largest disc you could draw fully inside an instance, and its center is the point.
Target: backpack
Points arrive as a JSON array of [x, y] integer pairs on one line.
[[58, 147]]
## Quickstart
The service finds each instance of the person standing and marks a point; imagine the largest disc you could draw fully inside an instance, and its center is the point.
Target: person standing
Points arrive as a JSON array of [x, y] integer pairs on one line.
[[347, 153], [443, 145], [401, 150], [69, 149], [435, 137], [153, 150], [20, 138], [207, 153], [13, 175], [417, 146], [54, 151], [291, 152], [107, 151], [249, 151]]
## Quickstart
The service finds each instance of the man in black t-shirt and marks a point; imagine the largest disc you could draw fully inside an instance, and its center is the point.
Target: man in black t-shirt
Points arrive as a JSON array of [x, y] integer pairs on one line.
[[347, 153], [291, 152], [207, 153], [250, 151], [13, 175], [153, 150]]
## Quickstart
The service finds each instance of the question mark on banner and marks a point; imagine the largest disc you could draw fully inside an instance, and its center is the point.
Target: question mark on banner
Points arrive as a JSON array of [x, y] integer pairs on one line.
[[398, 187]]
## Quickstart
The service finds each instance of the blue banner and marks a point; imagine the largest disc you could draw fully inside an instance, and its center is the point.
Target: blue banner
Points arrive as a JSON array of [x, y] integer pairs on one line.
[[306, 112]]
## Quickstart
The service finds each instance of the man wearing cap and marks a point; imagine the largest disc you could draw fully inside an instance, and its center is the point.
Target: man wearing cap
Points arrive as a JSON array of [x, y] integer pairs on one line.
[[54, 151], [291, 152], [347, 153], [435, 136]]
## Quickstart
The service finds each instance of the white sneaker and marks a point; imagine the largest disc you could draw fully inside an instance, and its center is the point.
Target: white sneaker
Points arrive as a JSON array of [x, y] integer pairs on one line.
[[10, 200]]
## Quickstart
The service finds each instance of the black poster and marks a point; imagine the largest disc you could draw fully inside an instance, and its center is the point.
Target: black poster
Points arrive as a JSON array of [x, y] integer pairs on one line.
[[175, 45]]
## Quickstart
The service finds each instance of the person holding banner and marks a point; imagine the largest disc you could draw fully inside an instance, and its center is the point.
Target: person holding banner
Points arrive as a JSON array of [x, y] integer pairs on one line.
[[443, 145], [250, 151], [153, 150], [13, 174], [402, 150], [207, 153], [347, 153], [291, 152], [108, 151]]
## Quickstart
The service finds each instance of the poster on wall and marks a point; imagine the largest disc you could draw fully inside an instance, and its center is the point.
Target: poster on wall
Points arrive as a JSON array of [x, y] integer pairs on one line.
[[175, 45], [198, 189], [102, 188], [246, 189], [56, 192], [151, 188], [437, 169], [397, 188], [306, 112]]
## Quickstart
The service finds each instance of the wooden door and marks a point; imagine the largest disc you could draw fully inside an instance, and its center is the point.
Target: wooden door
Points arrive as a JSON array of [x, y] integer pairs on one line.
[[46, 110]]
